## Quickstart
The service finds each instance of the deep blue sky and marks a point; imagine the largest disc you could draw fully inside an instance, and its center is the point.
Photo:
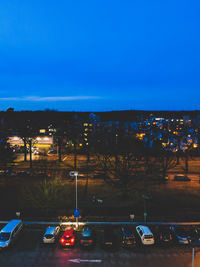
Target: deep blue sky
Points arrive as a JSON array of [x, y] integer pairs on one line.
[[99, 55]]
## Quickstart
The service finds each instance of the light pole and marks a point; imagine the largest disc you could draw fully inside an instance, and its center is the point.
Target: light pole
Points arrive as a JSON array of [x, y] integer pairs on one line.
[[76, 176], [145, 207], [76, 211]]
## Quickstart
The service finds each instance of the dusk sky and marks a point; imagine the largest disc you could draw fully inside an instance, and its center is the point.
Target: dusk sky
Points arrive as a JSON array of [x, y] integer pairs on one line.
[[100, 55]]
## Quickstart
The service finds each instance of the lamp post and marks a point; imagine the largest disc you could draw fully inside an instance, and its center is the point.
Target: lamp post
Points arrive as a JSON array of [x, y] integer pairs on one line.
[[145, 207], [76, 176], [76, 211]]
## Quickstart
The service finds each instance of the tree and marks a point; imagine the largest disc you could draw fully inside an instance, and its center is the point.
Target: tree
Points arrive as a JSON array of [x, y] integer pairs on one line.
[[165, 159], [73, 134], [46, 195], [28, 134], [6, 153], [129, 151]]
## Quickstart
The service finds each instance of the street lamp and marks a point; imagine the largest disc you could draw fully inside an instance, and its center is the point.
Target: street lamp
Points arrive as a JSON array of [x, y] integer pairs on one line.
[[76, 176], [76, 211]]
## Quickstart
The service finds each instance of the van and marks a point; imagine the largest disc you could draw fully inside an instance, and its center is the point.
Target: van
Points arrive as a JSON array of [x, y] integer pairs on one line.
[[51, 234], [10, 232], [145, 235]]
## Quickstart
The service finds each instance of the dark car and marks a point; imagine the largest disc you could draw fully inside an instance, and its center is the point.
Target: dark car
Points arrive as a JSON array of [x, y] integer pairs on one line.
[[22, 173], [99, 175], [87, 238], [163, 235], [195, 240], [182, 235], [128, 236], [52, 151], [181, 177], [109, 238]]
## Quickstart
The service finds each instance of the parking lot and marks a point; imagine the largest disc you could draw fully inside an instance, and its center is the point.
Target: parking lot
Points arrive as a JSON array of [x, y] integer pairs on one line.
[[28, 250]]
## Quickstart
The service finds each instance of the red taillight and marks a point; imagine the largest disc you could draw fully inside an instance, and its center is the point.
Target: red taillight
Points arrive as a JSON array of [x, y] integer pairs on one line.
[[62, 240], [67, 236], [72, 240], [90, 241]]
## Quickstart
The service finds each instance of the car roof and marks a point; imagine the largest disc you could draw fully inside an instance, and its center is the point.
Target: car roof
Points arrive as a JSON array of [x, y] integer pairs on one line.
[[10, 226], [69, 231], [50, 230], [145, 229], [127, 230], [87, 232]]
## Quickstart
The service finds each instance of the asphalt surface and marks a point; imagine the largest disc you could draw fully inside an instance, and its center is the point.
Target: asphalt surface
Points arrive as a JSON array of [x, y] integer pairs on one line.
[[29, 251]]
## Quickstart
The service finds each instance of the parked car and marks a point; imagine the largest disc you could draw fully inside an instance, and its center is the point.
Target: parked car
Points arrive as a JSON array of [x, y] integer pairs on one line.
[[195, 240], [163, 235], [68, 238], [109, 238], [87, 237], [128, 236], [10, 233], [51, 234], [145, 235], [99, 175], [36, 152], [181, 177], [21, 173], [52, 151], [182, 235]]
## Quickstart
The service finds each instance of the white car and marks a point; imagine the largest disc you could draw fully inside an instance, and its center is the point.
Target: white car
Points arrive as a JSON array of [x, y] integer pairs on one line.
[[10, 232], [51, 234], [145, 235]]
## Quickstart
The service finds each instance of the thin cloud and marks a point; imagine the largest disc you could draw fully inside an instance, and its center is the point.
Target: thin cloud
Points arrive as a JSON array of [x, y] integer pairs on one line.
[[48, 98]]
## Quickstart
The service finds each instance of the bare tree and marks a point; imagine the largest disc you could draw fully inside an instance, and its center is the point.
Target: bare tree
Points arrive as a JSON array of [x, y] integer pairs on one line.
[[28, 134]]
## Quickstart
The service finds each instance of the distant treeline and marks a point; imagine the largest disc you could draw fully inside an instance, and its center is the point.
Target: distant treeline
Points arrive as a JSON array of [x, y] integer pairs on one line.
[[13, 119]]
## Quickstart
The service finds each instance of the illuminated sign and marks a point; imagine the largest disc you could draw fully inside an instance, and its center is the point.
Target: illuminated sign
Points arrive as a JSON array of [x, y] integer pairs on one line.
[[16, 140]]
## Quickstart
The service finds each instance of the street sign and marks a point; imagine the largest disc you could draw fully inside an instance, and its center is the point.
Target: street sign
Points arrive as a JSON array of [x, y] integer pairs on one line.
[[145, 214], [76, 213]]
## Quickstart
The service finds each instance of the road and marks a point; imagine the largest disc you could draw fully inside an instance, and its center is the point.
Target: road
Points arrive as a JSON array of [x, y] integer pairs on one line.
[[29, 251]]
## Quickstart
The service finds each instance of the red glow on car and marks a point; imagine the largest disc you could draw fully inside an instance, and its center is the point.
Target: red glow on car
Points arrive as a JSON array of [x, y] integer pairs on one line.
[[62, 240], [68, 238], [72, 240]]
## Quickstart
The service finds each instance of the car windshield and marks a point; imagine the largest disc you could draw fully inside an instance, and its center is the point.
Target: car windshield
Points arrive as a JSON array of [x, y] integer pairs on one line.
[[4, 236], [148, 236], [48, 236], [68, 237], [128, 231], [183, 232]]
